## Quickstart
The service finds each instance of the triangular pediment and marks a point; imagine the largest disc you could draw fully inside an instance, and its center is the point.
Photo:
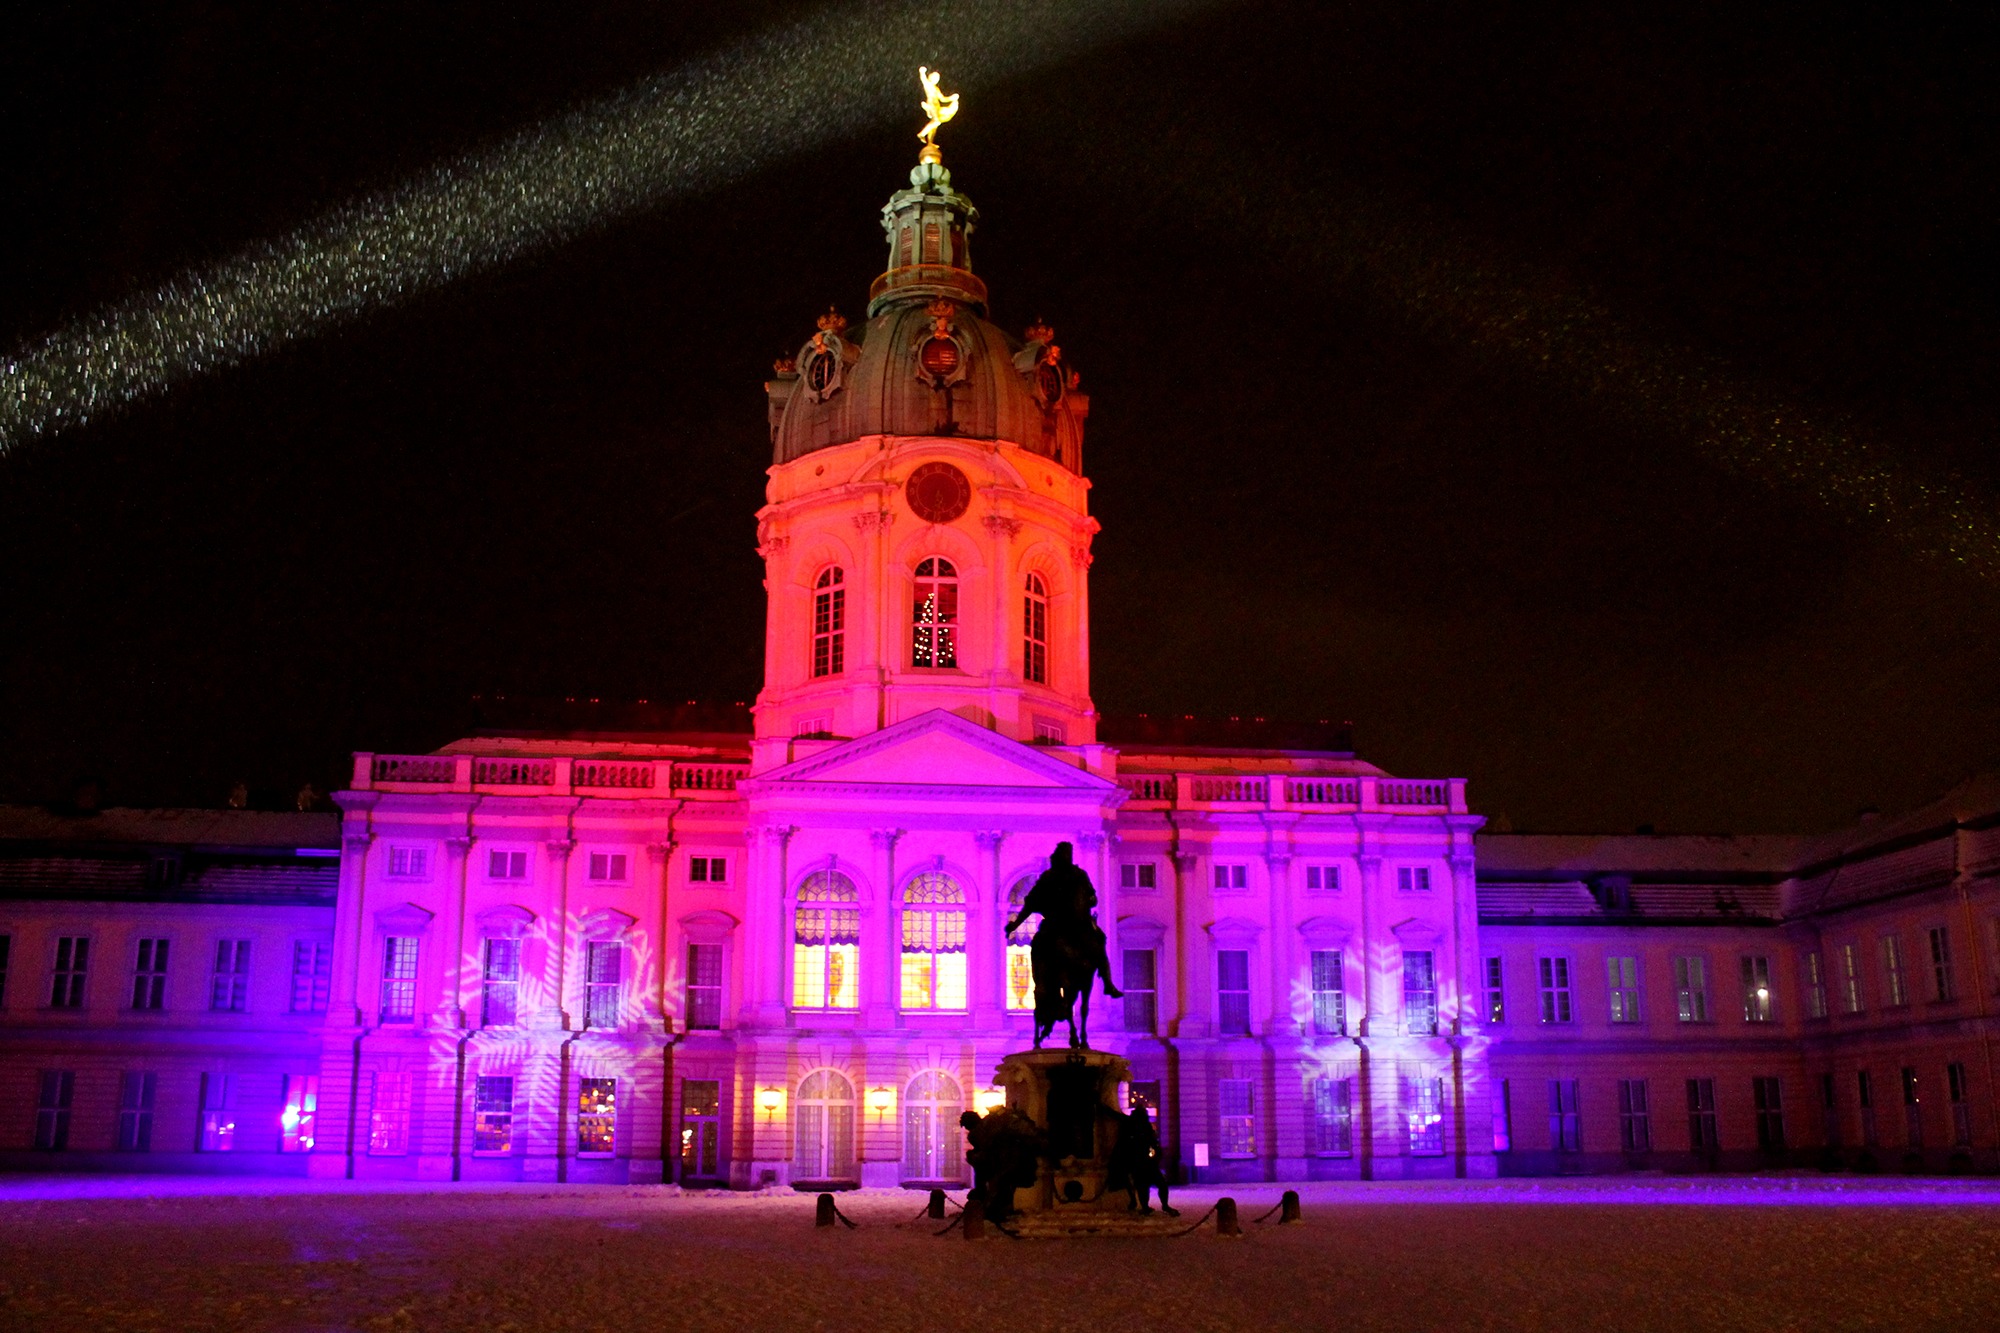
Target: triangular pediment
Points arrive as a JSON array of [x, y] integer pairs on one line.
[[937, 749]]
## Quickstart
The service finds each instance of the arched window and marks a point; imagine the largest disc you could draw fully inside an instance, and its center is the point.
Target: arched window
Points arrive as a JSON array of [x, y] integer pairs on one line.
[[933, 943], [1035, 631], [823, 1128], [826, 943], [934, 621], [1020, 965], [933, 1142], [829, 622]]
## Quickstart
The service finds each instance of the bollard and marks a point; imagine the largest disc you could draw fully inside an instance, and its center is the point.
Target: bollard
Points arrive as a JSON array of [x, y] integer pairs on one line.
[[824, 1215], [1288, 1210], [1225, 1218], [973, 1219], [937, 1206]]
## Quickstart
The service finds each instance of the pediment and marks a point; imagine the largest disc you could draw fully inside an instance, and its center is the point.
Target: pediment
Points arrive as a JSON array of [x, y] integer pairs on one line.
[[936, 749]]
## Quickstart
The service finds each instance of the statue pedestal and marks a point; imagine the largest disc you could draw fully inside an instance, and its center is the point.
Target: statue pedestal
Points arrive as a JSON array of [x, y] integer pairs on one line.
[[1073, 1097]]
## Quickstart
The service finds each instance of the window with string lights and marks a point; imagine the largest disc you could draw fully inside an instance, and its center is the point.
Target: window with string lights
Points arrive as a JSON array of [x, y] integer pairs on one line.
[[934, 616]]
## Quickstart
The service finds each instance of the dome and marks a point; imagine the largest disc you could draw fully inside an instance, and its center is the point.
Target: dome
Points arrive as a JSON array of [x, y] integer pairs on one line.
[[927, 361]]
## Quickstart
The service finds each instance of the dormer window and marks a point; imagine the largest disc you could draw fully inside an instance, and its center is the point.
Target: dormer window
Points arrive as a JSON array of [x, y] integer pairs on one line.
[[829, 622], [934, 627]]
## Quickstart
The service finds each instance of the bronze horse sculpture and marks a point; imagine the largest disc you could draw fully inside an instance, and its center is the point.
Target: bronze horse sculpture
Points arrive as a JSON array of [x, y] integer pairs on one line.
[[1068, 951]]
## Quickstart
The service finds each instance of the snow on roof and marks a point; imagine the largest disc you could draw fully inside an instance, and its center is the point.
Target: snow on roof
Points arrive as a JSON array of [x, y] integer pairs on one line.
[[1552, 855], [171, 827]]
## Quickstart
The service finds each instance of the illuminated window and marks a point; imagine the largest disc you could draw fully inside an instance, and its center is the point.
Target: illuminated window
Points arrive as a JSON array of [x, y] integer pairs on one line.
[[826, 940], [1635, 1128], [604, 984], [506, 865], [1850, 979], [312, 975], [229, 986], [1330, 1127], [1232, 991], [297, 1121], [1702, 1136], [1565, 1121], [1556, 996], [136, 1089], [1138, 876], [399, 979], [1035, 631], [608, 867], [1815, 985], [934, 619], [933, 943], [704, 987], [1141, 992], [388, 1113], [1420, 994], [1756, 990], [1764, 1095], [1423, 1103], [1894, 993], [1691, 990], [72, 970], [1020, 958], [1622, 974], [701, 1129], [149, 977], [500, 984], [1503, 1116], [1496, 991], [823, 1128], [493, 1114], [829, 623], [218, 1113], [408, 862], [596, 1116], [1329, 994], [58, 1090], [1237, 1100], [1942, 987], [933, 1142]]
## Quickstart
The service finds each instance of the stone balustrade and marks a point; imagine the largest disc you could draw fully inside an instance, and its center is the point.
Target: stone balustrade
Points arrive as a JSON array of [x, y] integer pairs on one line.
[[547, 776], [1279, 791]]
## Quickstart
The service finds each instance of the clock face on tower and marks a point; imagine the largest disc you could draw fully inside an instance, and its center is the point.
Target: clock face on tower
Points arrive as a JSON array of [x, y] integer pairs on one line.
[[938, 492]]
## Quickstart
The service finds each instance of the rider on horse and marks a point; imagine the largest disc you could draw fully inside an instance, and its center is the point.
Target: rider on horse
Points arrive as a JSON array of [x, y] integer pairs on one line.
[[1068, 952]]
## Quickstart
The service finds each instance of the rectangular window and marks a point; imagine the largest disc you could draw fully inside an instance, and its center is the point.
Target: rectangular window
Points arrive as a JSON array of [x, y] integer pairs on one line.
[[135, 1110], [1815, 985], [1329, 994], [1623, 976], [229, 986], [1146, 1093], [1702, 1136], [605, 978], [708, 870], [1961, 1105], [312, 975], [1913, 1119], [596, 1116], [1239, 1117], [1691, 989], [1829, 1108], [1756, 989], [1565, 1123], [1141, 986], [1420, 995], [500, 983], [1035, 632], [1139, 876], [1850, 979], [58, 1090], [1323, 879], [1413, 879], [389, 1113], [6, 950], [408, 862], [1554, 974], [298, 1121], [506, 865], [1496, 990], [1503, 1117], [1232, 984], [1635, 1130], [218, 1113], [607, 867], [149, 976], [399, 979], [1332, 1125], [1864, 1088], [72, 968], [1894, 995], [829, 623], [701, 1129], [704, 987], [1230, 877], [1770, 1106], [1423, 1102], [1942, 985], [493, 1114]]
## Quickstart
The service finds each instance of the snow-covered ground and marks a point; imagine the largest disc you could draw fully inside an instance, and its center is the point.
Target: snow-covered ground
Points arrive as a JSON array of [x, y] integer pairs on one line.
[[1768, 1253]]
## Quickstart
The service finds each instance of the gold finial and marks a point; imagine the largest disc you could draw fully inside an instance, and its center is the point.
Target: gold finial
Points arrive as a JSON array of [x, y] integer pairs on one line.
[[939, 108]]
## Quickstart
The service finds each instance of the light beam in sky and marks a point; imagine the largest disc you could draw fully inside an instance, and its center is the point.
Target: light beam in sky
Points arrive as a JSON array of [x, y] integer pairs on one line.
[[702, 126]]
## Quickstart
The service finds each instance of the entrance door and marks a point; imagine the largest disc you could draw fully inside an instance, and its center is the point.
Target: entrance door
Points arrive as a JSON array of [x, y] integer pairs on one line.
[[701, 1129], [933, 1140]]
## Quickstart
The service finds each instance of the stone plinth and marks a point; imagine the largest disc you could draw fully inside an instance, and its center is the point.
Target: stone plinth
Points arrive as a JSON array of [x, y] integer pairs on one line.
[[1073, 1097]]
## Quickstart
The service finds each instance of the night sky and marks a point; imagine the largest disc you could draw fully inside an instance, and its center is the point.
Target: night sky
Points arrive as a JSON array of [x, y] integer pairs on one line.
[[1374, 303]]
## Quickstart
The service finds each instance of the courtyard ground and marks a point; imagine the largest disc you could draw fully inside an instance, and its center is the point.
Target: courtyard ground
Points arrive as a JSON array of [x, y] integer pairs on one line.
[[1766, 1253]]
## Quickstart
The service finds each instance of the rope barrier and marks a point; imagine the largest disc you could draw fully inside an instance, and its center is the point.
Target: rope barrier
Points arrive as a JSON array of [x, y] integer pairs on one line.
[[1259, 1221], [1197, 1226]]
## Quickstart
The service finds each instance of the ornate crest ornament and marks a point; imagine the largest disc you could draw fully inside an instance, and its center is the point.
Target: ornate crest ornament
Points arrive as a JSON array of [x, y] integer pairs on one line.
[[833, 321], [825, 357], [940, 355]]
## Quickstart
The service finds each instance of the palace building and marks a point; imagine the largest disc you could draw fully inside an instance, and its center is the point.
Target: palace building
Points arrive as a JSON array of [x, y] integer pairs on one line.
[[778, 955]]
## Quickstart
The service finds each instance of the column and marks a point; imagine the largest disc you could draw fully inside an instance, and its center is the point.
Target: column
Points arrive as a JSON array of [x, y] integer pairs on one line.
[[452, 936], [1364, 1027], [660, 1004], [557, 1015]]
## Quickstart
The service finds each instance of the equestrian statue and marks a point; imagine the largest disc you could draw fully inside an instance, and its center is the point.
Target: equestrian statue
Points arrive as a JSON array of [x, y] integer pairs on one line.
[[1068, 951]]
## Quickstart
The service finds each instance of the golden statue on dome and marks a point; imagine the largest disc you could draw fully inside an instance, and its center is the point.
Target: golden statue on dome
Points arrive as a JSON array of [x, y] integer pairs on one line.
[[940, 107]]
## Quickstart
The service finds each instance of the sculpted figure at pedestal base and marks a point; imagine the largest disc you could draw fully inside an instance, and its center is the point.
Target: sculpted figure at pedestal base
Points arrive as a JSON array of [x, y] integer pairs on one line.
[[1005, 1152]]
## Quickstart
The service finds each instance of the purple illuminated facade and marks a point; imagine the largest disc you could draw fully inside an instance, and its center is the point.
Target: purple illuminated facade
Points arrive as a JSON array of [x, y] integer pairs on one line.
[[777, 955]]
